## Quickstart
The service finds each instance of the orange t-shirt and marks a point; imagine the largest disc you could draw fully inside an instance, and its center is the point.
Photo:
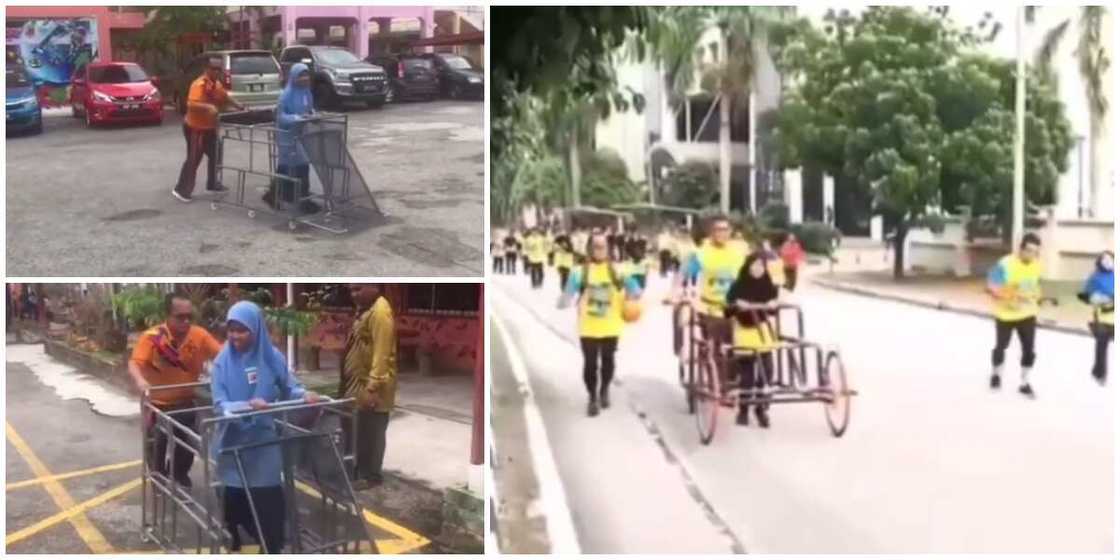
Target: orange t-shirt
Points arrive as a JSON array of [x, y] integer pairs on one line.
[[196, 349], [205, 90]]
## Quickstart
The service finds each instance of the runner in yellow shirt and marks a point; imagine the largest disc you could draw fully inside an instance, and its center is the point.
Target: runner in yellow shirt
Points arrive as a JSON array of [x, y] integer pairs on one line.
[[712, 268], [1015, 285], [600, 291]]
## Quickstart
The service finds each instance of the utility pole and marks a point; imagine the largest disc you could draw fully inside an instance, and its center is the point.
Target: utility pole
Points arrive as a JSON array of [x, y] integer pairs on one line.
[[1017, 198]]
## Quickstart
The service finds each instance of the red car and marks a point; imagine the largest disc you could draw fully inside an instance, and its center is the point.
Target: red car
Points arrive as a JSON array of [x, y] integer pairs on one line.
[[115, 92]]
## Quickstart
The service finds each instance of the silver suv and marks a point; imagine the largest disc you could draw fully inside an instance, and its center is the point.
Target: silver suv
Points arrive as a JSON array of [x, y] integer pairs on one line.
[[252, 78]]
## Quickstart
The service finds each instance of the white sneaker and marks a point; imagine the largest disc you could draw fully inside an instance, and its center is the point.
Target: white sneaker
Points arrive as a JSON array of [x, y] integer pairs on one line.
[[181, 198]]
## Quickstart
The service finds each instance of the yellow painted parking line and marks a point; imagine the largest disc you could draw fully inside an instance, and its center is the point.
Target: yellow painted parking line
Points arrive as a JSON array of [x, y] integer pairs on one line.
[[78, 510], [88, 533], [406, 540], [72, 474]]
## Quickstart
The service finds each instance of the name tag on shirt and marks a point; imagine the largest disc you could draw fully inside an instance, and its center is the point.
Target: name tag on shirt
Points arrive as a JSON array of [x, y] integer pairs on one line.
[[251, 372]]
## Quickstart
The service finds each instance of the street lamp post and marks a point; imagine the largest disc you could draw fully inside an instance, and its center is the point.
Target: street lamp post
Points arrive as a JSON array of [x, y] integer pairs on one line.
[[1020, 126]]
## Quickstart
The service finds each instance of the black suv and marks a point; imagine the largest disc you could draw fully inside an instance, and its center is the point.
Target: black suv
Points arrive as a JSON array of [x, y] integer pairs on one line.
[[410, 76], [457, 77], [337, 75]]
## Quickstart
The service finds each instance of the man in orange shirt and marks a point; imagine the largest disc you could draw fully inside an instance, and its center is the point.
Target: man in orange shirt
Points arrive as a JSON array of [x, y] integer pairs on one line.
[[171, 354], [205, 100]]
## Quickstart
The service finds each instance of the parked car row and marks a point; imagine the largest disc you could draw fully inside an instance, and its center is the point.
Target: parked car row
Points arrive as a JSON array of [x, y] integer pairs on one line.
[[122, 92]]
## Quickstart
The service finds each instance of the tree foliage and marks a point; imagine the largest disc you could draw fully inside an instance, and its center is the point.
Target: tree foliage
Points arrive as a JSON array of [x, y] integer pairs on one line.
[[692, 184], [903, 102]]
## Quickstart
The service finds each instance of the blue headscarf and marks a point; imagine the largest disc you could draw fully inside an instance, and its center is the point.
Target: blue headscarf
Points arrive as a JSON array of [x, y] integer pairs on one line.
[[237, 377], [1102, 281], [295, 102]]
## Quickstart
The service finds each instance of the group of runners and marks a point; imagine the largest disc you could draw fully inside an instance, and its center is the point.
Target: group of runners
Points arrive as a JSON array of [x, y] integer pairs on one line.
[[737, 286]]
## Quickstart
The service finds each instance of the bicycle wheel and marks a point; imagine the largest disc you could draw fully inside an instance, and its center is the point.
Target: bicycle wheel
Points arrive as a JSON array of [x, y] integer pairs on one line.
[[706, 397], [838, 407]]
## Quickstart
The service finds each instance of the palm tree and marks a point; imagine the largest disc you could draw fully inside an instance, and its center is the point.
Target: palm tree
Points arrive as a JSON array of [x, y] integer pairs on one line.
[[730, 78], [1093, 63]]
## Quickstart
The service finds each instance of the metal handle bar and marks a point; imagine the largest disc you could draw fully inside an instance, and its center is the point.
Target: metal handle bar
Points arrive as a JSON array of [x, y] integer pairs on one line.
[[323, 399]]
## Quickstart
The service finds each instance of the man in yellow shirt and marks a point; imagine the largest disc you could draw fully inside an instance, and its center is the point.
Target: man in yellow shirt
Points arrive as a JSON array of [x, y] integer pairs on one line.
[[205, 99], [1015, 285], [369, 375], [172, 353], [712, 268], [600, 291]]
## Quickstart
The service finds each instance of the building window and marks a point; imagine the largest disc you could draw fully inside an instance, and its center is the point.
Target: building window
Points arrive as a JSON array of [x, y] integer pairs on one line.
[[700, 106], [442, 299]]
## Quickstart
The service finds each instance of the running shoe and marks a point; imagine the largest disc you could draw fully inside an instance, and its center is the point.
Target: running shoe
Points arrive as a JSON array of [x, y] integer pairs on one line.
[[744, 417], [592, 408], [181, 197], [994, 382], [763, 416], [1026, 391]]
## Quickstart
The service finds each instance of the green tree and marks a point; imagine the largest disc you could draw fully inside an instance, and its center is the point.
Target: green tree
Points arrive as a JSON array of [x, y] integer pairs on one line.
[[692, 184], [899, 101], [607, 182]]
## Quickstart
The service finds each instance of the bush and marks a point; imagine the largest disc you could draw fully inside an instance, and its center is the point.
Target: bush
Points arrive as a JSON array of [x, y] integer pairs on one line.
[[141, 306], [692, 184], [775, 216], [815, 237]]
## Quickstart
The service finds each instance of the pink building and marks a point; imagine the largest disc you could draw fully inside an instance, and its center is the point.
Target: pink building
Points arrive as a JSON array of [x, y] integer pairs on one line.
[[275, 26]]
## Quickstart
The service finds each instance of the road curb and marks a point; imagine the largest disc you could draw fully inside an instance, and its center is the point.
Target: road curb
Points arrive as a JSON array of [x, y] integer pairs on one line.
[[938, 305]]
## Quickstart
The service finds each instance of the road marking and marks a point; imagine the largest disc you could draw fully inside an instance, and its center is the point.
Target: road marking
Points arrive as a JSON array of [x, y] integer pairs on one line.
[[558, 516], [72, 474], [79, 509], [407, 540], [71, 512]]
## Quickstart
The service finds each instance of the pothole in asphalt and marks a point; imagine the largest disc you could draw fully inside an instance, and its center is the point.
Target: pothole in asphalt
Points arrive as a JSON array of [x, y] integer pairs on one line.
[[208, 270], [130, 215]]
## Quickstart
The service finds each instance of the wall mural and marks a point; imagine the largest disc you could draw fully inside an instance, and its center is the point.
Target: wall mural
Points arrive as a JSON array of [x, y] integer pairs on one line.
[[51, 49]]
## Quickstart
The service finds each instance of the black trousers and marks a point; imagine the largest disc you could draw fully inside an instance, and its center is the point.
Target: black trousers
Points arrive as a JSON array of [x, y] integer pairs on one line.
[[289, 189], [511, 263], [536, 274], [564, 271], [666, 262], [269, 504], [1025, 330], [791, 277], [1103, 335], [199, 143], [499, 264], [182, 458], [755, 373], [370, 452], [598, 363]]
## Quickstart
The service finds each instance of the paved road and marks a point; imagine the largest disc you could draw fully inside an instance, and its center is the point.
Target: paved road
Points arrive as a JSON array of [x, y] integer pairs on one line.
[[933, 461], [62, 423], [97, 203]]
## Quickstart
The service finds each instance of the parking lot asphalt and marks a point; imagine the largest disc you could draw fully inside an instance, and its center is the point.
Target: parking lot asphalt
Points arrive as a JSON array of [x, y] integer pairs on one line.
[[84, 202]]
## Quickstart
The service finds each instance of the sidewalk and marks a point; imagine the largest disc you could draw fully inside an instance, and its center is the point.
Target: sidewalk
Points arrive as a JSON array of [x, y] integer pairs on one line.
[[432, 419], [961, 295]]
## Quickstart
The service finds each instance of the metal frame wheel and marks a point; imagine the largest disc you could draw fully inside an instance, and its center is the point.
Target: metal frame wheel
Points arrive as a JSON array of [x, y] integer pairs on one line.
[[837, 410], [705, 393]]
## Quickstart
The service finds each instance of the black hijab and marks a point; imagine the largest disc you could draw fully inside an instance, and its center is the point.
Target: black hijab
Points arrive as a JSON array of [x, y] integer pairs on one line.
[[751, 289]]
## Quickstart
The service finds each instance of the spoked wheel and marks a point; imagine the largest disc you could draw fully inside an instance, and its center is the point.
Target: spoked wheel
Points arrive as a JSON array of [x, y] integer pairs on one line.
[[839, 408], [705, 394], [796, 368]]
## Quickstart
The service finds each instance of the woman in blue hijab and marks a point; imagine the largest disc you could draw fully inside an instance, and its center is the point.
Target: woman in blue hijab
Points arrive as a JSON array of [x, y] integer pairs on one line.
[[248, 374], [1100, 292], [292, 110]]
